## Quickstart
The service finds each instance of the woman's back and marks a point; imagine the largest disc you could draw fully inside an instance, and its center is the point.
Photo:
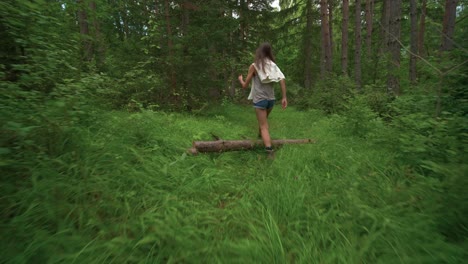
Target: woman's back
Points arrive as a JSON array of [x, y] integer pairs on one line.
[[262, 91]]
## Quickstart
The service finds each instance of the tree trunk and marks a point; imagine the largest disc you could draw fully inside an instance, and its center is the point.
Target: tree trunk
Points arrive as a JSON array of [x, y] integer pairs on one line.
[[87, 45], [231, 145], [330, 31], [242, 21], [448, 25], [184, 72], [170, 48], [308, 47], [385, 20], [413, 41], [325, 64], [344, 38], [357, 51], [393, 82], [232, 69], [369, 24], [383, 40], [422, 29], [98, 40]]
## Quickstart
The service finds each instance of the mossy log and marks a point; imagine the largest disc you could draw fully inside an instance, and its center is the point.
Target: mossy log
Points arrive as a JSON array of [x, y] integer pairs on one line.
[[231, 145]]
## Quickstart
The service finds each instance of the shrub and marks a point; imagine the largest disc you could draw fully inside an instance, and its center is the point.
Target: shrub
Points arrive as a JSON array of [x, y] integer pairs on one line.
[[358, 119], [377, 98], [435, 147], [329, 95]]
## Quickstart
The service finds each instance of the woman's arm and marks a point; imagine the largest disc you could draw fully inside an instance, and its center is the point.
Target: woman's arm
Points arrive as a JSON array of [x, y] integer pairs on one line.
[[284, 101], [249, 77]]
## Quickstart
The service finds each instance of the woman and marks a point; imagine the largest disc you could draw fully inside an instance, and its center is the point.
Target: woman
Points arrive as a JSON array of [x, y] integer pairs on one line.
[[264, 72]]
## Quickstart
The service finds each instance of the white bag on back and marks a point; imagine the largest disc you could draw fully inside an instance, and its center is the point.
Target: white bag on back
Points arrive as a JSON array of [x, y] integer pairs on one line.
[[272, 73]]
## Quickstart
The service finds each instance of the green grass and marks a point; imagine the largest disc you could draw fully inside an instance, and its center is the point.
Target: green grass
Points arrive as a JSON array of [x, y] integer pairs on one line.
[[123, 190]]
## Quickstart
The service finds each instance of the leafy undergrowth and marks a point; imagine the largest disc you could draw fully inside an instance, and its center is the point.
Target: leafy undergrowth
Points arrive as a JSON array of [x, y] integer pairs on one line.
[[123, 190]]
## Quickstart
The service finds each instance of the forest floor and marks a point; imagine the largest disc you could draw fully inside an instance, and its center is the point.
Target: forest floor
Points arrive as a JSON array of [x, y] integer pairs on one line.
[[125, 191]]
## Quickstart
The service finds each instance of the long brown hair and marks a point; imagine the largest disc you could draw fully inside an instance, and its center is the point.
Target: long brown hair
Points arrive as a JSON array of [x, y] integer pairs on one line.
[[264, 52]]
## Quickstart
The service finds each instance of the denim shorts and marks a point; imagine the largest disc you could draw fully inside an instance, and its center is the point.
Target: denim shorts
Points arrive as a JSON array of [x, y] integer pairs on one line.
[[264, 104]]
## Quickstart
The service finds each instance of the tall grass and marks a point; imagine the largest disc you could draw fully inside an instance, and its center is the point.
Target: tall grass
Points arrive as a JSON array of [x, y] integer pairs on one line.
[[123, 190]]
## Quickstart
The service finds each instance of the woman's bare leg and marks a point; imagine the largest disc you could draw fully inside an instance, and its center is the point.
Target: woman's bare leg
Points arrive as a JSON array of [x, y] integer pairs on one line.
[[268, 113], [262, 117]]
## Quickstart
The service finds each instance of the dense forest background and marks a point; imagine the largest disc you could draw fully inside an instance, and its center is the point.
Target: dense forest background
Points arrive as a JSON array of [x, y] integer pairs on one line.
[[100, 98]]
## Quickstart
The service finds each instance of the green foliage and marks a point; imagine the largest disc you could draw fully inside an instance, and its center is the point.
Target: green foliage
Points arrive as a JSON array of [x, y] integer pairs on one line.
[[84, 184], [435, 147], [34, 53], [328, 95], [376, 98], [294, 92], [358, 120]]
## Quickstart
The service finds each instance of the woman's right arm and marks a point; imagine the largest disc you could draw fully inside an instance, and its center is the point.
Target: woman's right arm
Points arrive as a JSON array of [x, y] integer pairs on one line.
[[249, 77], [284, 101]]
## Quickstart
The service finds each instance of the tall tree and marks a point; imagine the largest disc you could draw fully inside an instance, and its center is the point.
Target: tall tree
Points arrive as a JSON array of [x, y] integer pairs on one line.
[[357, 38], [422, 29], [83, 23], [394, 30], [369, 24], [325, 65], [385, 20], [448, 24], [98, 44], [413, 41], [170, 48], [308, 46], [344, 38], [330, 31]]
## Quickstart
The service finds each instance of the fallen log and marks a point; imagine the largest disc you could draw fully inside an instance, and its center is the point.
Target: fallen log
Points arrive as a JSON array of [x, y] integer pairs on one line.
[[230, 145]]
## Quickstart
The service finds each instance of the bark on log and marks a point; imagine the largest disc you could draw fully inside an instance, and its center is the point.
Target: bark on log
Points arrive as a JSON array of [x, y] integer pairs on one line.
[[230, 145]]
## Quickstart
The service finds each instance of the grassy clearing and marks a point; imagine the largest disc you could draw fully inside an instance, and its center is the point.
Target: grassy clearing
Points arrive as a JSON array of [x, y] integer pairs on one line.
[[122, 190]]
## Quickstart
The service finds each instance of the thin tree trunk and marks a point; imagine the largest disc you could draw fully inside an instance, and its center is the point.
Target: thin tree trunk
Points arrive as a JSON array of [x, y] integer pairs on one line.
[[323, 40], [170, 47], [325, 65], [383, 48], [448, 25], [385, 20], [446, 45], [231, 78], [369, 24], [393, 82], [308, 47], [344, 38], [98, 41], [330, 31], [183, 79], [242, 20], [357, 51], [422, 29], [87, 45], [413, 41]]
